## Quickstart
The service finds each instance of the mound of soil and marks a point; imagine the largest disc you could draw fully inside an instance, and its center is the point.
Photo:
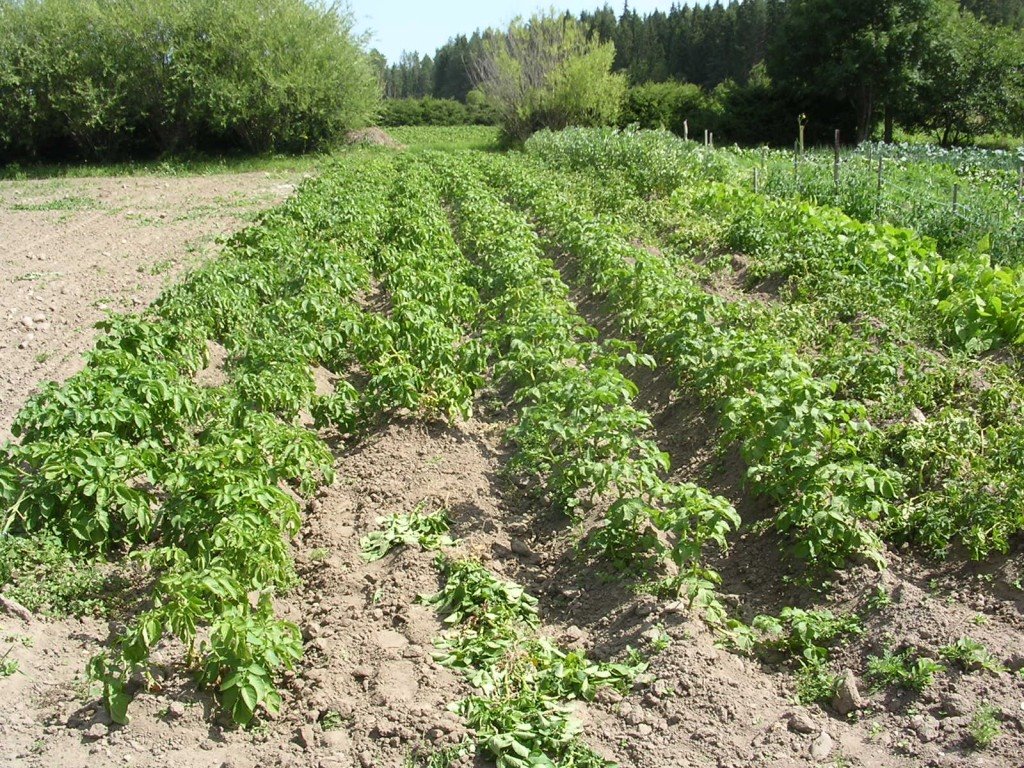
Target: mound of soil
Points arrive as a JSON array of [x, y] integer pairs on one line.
[[374, 136]]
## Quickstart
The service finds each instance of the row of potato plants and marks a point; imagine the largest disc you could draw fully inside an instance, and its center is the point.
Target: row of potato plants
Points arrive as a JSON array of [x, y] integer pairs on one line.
[[523, 683], [948, 410], [805, 446], [435, 356], [971, 299], [132, 456], [947, 420], [578, 435]]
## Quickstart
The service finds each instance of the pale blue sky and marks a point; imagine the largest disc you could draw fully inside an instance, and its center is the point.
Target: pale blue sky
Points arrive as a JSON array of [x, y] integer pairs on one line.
[[424, 26]]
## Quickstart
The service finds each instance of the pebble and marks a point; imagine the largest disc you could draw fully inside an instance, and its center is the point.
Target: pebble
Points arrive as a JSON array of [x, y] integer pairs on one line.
[[848, 697], [925, 726], [956, 705], [645, 608], [521, 548], [822, 746], [361, 673], [801, 722], [96, 731], [305, 737]]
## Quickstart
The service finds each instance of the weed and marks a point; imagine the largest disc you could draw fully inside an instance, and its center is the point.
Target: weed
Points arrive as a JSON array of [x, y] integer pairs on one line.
[[331, 720], [971, 655], [8, 666], [879, 598], [984, 726], [815, 681], [44, 577], [903, 670], [158, 267], [34, 276], [71, 203], [660, 639]]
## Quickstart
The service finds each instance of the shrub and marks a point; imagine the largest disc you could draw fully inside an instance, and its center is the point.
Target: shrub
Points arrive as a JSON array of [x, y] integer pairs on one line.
[[753, 112], [109, 78], [430, 111], [666, 106], [546, 73]]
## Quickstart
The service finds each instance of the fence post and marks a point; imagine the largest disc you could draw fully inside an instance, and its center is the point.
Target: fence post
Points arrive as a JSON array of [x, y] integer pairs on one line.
[[956, 196], [835, 168], [686, 130], [705, 137], [711, 139]]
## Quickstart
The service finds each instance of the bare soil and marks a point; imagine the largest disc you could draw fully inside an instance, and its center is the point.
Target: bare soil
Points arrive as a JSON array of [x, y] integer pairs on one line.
[[368, 692], [72, 250]]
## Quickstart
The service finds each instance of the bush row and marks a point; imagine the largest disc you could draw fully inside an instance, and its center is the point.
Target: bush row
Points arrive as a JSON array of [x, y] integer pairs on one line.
[[108, 78], [431, 111]]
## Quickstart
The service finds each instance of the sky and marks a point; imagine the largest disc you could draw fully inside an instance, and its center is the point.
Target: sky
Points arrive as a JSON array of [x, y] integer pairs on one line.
[[423, 26]]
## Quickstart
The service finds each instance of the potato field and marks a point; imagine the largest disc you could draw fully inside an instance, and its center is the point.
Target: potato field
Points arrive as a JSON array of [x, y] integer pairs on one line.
[[580, 455]]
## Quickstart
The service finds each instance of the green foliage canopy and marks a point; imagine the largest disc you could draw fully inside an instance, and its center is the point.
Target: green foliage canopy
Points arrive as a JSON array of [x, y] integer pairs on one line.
[[548, 73], [107, 78]]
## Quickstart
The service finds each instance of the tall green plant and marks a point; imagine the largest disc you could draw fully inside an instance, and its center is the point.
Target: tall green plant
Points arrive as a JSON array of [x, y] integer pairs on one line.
[[108, 78], [547, 73]]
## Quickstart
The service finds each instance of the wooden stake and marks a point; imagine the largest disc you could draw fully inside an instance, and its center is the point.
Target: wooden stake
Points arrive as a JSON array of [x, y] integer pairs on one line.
[[686, 130], [711, 139]]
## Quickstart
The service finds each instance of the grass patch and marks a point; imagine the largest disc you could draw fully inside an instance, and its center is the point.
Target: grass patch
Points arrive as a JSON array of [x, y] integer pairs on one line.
[[483, 138], [72, 203], [175, 166]]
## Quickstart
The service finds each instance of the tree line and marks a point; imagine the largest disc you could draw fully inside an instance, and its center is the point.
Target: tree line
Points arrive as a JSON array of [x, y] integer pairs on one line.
[[954, 68]]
